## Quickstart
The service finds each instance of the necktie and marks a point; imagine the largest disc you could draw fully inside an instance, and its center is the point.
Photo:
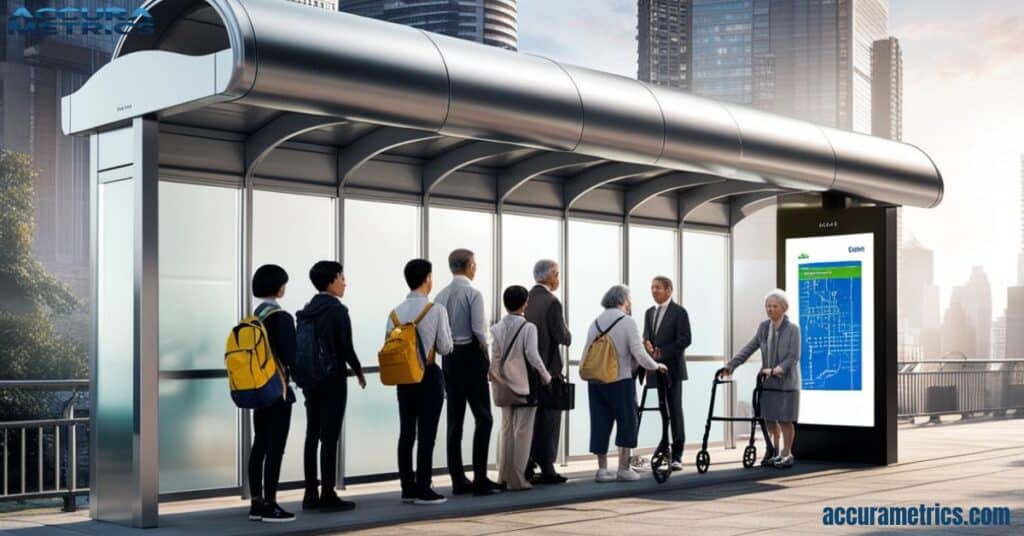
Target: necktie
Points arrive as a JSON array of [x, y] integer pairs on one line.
[[657, 318]]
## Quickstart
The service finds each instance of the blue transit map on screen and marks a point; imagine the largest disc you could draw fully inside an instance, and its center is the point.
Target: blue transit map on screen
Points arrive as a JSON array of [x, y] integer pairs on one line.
[[830, 321]]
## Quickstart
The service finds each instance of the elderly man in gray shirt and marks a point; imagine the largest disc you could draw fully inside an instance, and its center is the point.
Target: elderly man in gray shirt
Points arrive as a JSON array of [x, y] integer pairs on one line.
[[419, 404], [465, 374]]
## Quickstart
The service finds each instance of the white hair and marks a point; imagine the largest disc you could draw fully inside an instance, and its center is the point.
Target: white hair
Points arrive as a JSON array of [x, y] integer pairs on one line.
[[615, 297], [543, 269], [779, 295]]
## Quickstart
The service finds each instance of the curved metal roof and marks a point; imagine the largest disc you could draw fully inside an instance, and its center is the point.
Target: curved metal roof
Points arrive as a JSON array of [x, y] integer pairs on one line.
[[279, 55]]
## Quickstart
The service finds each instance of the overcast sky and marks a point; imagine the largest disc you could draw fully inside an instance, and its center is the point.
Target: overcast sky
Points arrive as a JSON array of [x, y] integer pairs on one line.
[[963, 104]]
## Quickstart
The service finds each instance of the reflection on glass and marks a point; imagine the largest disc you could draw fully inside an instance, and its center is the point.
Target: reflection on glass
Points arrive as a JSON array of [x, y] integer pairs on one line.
[[595, 262], [526, 240], [198, 274], [653, 251], [115, 330], [705, 290], [198, 445], [376, 255], [453, 229], [293, 231]]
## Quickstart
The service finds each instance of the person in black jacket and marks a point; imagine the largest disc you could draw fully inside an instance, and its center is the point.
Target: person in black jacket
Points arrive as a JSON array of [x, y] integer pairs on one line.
[[666, 337], [325, 402], [271, 423]]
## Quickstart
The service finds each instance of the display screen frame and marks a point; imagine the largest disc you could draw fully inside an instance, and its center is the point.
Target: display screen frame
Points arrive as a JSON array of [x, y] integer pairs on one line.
[[865, 444]]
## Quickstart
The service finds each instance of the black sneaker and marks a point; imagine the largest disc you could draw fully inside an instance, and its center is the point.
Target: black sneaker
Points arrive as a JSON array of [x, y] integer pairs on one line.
[[486, 487], [430, 497], [465, 487], [256, 510], [330, 502], [272, 513], [409, 496], [553, 478], [311, 500]]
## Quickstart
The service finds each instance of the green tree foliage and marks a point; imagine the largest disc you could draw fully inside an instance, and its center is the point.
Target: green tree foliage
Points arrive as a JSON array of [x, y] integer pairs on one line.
[[29, 300]]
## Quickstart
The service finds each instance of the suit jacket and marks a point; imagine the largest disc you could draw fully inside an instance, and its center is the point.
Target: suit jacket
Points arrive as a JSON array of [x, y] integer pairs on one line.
[[672, 338], [545, 311]]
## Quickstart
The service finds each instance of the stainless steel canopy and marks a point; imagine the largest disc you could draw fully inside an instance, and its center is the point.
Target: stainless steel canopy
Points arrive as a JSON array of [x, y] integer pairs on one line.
[[282, 56]]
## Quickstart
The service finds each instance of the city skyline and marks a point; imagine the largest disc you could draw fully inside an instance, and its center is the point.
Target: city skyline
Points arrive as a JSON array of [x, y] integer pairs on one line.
[[974, 144]]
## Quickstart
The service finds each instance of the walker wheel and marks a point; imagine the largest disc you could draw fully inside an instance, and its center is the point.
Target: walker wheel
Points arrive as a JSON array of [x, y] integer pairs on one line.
[[749, 456], [703, 461], [660, 467]]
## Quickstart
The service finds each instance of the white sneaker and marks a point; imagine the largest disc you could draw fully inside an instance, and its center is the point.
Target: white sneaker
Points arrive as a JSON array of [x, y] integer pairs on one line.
[[627, 475], [604, 475]]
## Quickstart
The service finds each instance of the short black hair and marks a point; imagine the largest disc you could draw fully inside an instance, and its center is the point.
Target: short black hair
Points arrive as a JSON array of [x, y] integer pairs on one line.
[[323, 273], [267, 280], [416, 272], [514, 297]]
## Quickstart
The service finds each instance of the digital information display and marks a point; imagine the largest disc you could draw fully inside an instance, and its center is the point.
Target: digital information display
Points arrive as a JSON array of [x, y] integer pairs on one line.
[[831, 288]]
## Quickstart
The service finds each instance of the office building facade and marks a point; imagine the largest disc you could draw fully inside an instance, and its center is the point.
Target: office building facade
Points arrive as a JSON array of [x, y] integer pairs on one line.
[[492, 22], [663, 42], [887, 89]]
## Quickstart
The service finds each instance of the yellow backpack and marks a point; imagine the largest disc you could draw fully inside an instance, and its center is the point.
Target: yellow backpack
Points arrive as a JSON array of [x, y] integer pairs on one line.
[[254, 377], [400, 361], [601, 361]]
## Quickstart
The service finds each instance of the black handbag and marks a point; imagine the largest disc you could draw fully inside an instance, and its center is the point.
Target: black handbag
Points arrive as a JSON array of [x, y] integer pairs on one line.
[[558, 395]]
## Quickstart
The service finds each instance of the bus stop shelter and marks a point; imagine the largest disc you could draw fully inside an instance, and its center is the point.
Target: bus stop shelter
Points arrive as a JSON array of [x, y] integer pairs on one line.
[[241, 133]]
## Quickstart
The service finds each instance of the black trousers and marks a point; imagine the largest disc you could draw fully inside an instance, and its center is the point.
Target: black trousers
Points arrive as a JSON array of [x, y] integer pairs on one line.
[[675, 413], [270, 426], [544, 448], [325, 411], [419, 411], [465, 382]]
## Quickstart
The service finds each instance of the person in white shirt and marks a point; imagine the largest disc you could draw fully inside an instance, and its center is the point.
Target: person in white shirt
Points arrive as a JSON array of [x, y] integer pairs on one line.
[[513, 349], [615, 403], [420, 404]]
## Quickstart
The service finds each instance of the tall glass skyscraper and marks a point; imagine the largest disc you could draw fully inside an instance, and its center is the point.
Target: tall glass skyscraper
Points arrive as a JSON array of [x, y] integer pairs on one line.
[[663, 42], [809, 59], [492, 22]]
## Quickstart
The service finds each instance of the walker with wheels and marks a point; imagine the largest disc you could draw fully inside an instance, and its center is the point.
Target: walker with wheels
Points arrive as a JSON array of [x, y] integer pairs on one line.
[[750, 452]]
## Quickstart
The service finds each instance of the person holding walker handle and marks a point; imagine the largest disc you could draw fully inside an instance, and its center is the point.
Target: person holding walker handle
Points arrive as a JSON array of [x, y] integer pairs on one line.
[[779, 341]]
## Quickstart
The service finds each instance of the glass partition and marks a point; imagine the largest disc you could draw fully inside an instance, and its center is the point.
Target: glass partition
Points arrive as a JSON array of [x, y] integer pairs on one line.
[[199, 304], [293, 231], [595, 260], [375, 257], [526, 240]]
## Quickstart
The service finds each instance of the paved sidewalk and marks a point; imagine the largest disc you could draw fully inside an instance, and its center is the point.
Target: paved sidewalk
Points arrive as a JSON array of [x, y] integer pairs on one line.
[[970, 464]]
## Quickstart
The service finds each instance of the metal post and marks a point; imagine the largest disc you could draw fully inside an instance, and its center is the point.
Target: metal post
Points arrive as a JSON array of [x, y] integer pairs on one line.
[[624, 275], [56, 457], [425, 228], [498, 271], [39, 456], [339, 247], [24, 467], [94, 218], [563, 457], [730, 407], [244, 427], [7, 467]]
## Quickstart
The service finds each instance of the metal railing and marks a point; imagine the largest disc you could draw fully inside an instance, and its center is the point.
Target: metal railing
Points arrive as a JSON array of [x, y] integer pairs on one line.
[[41, 457], [960, 387]]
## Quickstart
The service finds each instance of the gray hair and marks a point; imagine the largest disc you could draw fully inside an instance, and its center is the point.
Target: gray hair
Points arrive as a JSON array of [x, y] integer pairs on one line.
[[615, 297], [780, 295], [458, 260], [542, 270]]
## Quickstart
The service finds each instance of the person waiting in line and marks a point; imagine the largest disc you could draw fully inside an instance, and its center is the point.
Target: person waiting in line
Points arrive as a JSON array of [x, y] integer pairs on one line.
[[778, 339], [545, 311], [326, 400], [666, 337], [420, 404], [465, 374], [513, 348], [271, 423], [614, 403]]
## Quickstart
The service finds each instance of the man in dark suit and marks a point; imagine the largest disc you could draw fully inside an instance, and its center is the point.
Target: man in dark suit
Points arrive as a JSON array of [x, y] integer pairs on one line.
[[666, 337], [545, 311]]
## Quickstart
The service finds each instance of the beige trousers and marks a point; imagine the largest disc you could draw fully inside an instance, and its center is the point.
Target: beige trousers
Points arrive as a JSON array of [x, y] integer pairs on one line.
[[514, 451]]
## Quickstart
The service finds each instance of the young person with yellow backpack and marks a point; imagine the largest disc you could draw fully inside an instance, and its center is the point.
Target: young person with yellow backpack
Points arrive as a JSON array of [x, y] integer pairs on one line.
[[415, 333], [258, 353]]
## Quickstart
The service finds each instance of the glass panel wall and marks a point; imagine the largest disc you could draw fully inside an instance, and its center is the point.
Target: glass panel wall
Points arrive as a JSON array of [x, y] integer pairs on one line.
[[452, 229], [526, 240], [375, 257], [199, 304], [595, 261], [652, 251], [293, 231]]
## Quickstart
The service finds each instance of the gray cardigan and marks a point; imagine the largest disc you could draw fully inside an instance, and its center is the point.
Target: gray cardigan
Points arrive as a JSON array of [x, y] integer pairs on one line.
[[785, 355]]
